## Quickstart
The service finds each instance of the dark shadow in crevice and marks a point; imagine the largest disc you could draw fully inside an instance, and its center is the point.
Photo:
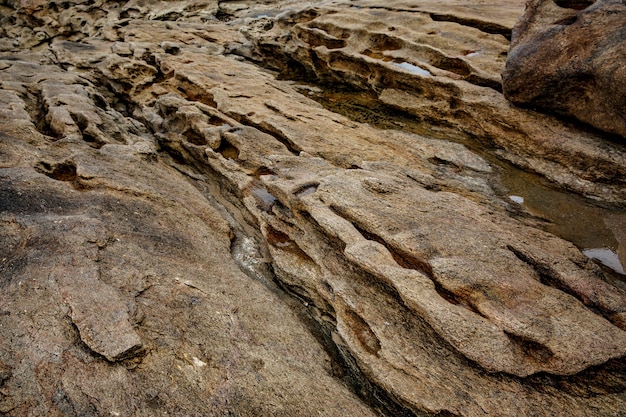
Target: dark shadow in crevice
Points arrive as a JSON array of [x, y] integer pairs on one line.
[[487, 27], [269, 130], [64, 171]]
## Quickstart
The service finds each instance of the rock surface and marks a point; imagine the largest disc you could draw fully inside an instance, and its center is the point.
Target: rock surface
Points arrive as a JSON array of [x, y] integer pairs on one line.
[[568, 57], [119, 292], [441, 65], [161, 195]]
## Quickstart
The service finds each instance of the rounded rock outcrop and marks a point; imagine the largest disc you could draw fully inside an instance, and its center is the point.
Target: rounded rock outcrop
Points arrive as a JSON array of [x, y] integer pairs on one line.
[[569, 57]]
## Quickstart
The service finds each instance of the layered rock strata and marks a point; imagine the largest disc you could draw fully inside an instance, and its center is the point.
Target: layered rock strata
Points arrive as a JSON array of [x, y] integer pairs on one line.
[[158, 193], [120, 295], [441, 65]]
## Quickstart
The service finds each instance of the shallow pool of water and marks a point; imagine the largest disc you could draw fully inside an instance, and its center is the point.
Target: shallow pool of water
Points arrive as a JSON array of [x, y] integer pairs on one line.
[[413, 69], [599, 232]]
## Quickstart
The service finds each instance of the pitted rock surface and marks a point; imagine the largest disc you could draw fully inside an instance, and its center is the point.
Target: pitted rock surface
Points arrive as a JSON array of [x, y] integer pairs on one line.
[[185, 232], [441, 64]]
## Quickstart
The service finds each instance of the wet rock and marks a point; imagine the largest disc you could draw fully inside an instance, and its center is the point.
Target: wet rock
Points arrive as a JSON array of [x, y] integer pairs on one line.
[[441, 64], [187, 233], [565, 58]]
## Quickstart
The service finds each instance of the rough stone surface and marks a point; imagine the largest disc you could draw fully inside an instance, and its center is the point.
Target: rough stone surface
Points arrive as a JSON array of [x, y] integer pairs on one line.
[[441, 64], [185, 232], [568, 57]]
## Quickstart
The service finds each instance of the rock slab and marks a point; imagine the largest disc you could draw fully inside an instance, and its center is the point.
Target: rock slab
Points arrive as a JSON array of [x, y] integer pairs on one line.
[[186, 233]]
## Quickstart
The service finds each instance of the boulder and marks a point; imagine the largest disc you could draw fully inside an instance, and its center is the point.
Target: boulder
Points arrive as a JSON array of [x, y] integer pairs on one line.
[[568, 57]]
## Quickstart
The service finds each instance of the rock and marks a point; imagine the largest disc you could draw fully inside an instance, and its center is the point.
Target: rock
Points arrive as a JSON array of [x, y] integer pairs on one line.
[[119, 294], [566, 57], [185, 232], [142, 269], [440, 64]]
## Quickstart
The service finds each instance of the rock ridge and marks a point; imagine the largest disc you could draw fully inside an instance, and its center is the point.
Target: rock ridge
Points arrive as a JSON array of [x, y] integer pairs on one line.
[[161, 193], [400, 56]]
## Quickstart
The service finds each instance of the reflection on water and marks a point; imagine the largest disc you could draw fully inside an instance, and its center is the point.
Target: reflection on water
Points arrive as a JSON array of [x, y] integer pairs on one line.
[[606, 257], [573, 218], [414, 69], [570, 216]]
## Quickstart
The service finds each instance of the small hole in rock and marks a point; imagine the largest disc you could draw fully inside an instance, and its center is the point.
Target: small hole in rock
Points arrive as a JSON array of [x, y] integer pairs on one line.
[[65, 171], [227, 150], [216, 121], [574, 4], [276, 237], [263, 170], [195, 138], [531, 349], [172, 50], [93, 141], [306, 190]]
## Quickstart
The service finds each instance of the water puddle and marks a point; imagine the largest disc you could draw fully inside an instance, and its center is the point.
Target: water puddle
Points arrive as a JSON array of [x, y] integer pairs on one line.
[[308, 190], [607, 257], [471, 54], [407, 66], [599, 232], [413, 69], [265, 200]]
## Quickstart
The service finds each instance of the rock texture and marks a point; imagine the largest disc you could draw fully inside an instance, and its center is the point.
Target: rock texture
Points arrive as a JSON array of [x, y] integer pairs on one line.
[[186, 233], [120, 295], [441, 65], [568, 57]]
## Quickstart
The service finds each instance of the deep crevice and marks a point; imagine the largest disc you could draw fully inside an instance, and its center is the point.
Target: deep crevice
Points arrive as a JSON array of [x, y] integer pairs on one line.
[[408, 261], [283, 242], [194, 92], [65, 171], [228, 150], [343, 365], [269, 130], [548, 277], [37, 109], [402, 258], [487, 27], [544, 272]]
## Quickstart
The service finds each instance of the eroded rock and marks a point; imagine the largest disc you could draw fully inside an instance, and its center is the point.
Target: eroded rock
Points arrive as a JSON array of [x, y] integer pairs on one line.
[[441, 64], [156, 187]]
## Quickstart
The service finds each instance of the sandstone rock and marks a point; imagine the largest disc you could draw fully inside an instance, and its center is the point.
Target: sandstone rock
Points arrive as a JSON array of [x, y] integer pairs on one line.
[[160, 196], [119, 293], [153, 272], [442, 65], [566, 57]]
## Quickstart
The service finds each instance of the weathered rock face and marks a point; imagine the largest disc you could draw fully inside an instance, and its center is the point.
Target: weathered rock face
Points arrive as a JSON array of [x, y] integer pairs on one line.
[[159, 193], [119, 292], [441, 64], [568, 57]]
